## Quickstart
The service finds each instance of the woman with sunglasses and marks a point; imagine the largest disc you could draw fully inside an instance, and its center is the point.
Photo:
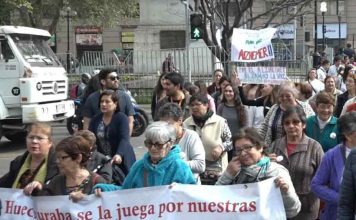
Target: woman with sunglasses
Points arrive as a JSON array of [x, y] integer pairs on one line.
[[251, 164], [301, 155], [37, 163], [161, 165], [111, 129]]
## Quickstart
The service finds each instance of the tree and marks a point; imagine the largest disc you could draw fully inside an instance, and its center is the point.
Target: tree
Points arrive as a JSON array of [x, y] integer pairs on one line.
[[225, 15], [47, 13]]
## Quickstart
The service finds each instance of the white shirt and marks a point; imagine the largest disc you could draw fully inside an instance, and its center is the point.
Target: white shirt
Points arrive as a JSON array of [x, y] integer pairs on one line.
[[321, 73], [333, 70], [317, 85]]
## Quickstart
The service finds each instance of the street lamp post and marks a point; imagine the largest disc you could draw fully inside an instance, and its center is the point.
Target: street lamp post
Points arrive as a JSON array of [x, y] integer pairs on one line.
[[316, 55], [323, 9], [68, 13]]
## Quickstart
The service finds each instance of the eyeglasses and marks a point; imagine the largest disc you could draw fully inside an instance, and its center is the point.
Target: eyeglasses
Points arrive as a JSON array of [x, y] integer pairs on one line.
[[113, 78], [159, 146], [294, 122], [34, 137], [245, 148], [62, 157]]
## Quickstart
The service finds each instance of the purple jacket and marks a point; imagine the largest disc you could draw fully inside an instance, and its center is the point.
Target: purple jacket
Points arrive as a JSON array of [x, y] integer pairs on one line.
[[327, 180]]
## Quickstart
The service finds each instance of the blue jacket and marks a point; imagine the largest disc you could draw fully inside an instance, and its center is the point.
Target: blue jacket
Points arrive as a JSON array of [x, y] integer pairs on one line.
[[118, 135], [323, 136], [170, 169], [327, 180]]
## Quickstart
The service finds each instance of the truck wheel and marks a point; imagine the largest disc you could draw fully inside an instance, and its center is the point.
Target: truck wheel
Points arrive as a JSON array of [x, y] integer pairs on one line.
[[17, 137]]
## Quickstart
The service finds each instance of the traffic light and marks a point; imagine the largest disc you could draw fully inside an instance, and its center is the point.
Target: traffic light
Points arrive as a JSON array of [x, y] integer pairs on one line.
[[196, 26], [324, 28]]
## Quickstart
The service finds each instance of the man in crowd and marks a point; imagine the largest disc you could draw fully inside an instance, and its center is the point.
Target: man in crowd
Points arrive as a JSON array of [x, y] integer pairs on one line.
[[334, 68], [323, 70], [109, 80], [349, 51], [173, 86]]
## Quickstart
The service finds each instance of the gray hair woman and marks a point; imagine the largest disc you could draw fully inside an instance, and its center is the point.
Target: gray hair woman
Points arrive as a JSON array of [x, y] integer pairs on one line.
[[161, 165], [272, 128], [188, 140]]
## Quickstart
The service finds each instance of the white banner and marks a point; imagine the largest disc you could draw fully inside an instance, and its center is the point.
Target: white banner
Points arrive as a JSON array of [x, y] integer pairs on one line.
[[252, 201], [262, 75], [252, 45]]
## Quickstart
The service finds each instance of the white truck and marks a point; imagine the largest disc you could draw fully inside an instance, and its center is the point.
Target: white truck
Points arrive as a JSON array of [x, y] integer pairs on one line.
[[33, 83]]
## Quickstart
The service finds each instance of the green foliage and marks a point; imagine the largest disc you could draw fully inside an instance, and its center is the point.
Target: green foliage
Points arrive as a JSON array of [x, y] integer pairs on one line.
[[33, 12]]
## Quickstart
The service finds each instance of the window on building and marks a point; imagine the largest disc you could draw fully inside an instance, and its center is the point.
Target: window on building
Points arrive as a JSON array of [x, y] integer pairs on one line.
[[172, 39]]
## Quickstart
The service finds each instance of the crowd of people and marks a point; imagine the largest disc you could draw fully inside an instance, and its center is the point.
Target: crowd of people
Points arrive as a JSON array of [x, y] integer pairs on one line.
[[301, 134]]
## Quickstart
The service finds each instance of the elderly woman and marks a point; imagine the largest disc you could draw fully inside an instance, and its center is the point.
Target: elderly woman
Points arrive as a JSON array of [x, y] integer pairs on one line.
[[111, 129], [192, 148], [74, 179], [322, 127], [330, 87], [215, 134], [272, 128], [161, 165], [301, 155], [250, 164], [327, 180], [37, 163]]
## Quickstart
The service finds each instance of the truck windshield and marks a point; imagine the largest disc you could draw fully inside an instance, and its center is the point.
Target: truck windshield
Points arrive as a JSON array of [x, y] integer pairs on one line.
[[35, 50]]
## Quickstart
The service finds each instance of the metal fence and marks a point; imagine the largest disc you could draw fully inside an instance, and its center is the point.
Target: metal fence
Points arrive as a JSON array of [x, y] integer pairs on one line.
[[140, 69]]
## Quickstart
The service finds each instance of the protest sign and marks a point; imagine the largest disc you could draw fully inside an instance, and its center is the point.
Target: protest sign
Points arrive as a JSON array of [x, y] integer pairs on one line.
[[252, 45], [251, 201], [262, 75]]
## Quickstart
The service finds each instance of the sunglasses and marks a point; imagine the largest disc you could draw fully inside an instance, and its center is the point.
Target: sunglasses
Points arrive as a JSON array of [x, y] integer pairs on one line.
[[113, 78], [158, 146]]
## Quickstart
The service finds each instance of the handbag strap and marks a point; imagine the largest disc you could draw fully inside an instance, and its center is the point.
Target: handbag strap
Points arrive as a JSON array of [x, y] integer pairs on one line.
[[145, 182]]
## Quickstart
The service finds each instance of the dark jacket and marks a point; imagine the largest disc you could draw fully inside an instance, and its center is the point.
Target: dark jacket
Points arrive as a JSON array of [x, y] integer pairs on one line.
[[347, 201], [100, 164], [58, 186], [118, 136], [8, 179], [260, 101], [341, 99]]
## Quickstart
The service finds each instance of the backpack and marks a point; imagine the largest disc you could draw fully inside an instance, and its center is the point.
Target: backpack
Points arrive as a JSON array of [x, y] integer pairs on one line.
[[73, 92]]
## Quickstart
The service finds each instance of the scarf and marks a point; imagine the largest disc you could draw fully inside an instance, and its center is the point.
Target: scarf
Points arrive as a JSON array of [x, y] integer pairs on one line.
[[200, 121], [254, 173]]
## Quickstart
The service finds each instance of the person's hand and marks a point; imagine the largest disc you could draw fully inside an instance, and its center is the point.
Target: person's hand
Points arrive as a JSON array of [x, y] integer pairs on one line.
[[273, 157], [216, 153], [76, 196], [234, 166], [116, 159], [235, 80], [32, 186], [172, 185], [281, 184], [98, 192]]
